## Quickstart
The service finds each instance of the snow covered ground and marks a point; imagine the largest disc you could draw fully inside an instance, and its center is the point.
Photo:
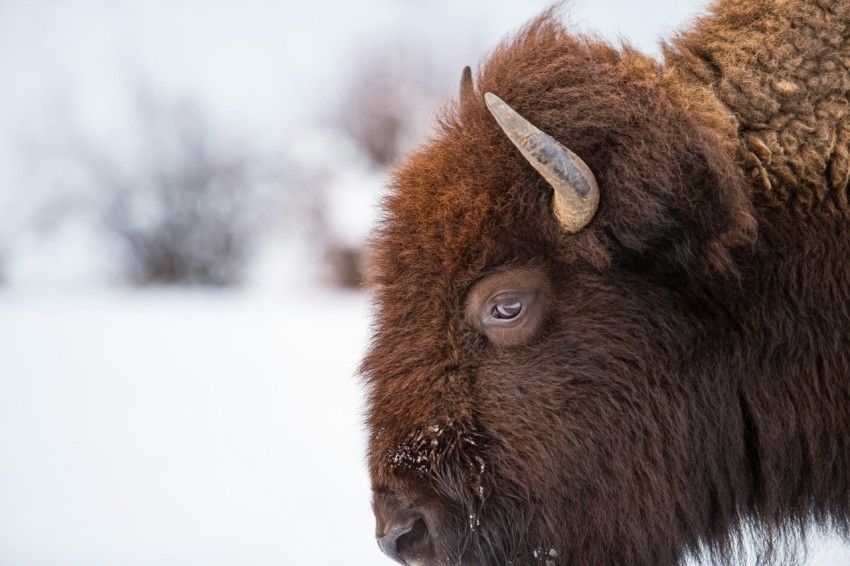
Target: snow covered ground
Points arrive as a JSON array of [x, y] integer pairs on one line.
[[183, 428]]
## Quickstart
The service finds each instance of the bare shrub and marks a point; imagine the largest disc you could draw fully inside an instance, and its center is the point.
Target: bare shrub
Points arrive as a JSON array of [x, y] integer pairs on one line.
[[384, 107], [386, 104], [184, 206], [345, 263]]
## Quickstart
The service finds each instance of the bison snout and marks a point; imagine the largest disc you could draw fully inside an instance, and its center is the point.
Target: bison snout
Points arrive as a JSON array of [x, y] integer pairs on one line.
[[407, 544], [402, 533]]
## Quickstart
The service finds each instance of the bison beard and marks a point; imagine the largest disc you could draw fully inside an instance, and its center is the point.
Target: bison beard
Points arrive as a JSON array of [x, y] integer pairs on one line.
[[669, 377]]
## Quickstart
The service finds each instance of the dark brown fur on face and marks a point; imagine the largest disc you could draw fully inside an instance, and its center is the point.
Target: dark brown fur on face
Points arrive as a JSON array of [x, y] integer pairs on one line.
[[690, 378]]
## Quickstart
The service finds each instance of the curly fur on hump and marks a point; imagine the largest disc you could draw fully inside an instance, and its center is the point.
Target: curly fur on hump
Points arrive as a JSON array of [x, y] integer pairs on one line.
[[692, 379], [781, 73]]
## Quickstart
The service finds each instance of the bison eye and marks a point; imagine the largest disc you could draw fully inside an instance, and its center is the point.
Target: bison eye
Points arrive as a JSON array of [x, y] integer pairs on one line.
[[509, 306], [507, 310]]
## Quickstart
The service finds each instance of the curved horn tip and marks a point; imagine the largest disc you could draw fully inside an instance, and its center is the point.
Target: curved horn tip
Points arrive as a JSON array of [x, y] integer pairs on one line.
[[512, 123], [576, 196]]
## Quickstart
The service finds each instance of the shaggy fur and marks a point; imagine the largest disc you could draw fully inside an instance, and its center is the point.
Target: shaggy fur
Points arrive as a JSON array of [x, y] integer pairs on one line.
[[692, 379]]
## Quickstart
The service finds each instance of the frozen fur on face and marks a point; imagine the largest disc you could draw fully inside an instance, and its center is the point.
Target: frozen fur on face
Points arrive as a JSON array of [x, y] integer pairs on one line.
[[692, 379]]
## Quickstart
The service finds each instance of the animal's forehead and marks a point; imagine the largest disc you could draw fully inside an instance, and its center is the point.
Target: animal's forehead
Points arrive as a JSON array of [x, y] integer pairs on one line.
[[453, 213]]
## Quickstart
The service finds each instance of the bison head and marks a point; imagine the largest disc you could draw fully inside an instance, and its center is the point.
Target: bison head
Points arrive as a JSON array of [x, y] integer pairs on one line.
[[542, 392]]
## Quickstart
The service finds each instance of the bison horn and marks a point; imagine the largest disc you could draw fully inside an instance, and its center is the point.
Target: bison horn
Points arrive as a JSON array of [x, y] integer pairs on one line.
[[576, 191], [465, 81]]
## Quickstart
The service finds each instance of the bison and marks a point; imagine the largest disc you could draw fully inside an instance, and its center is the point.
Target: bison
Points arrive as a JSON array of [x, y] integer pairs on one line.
[[613, 301]]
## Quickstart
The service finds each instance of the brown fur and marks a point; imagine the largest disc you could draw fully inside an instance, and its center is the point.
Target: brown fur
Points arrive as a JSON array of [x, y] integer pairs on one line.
[[692, 379], [781, 71]]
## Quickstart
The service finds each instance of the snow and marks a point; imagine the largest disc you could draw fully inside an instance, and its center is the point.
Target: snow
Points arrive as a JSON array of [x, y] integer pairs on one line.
[[183, 427]]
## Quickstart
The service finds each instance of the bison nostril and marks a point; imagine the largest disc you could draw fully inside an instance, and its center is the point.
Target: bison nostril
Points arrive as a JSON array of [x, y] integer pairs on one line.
[[413, 543], [388, 544], [407, 543]]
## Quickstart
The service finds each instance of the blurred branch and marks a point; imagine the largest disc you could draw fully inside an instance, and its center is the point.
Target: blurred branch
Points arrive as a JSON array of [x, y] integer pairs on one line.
[[388, 102], [384, 107], [183, 203]]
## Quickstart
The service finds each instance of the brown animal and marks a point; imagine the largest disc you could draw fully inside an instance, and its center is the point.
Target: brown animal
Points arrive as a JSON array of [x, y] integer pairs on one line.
[[643, 383]]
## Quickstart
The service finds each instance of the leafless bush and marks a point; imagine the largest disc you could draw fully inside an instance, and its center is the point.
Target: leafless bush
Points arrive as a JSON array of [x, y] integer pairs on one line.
[[387, 102], [339, 261], [384, 107], [345, 263], [184, 207]]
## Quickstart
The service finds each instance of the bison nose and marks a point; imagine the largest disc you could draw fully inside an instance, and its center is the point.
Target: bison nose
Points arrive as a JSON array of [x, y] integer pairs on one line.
[[401, 531], [406, 544]]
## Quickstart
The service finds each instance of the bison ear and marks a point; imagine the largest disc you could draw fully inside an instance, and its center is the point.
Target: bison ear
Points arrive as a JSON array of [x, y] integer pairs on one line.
[[689, 217], [721, 211]]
